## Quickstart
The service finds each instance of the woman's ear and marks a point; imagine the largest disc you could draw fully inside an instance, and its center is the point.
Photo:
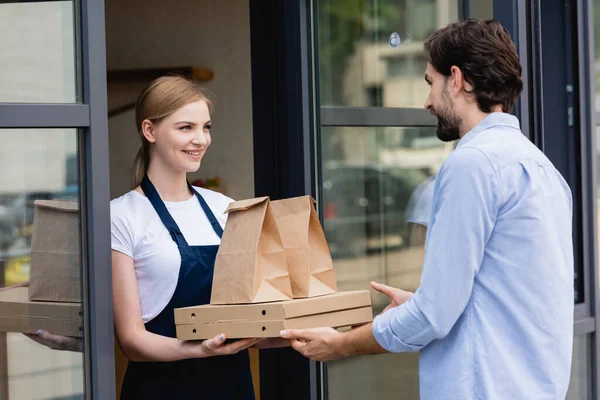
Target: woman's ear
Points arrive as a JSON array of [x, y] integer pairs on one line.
[[148, 131]]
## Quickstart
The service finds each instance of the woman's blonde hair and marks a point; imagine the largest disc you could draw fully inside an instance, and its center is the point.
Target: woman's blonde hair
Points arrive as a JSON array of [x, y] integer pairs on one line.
[[161, 98]]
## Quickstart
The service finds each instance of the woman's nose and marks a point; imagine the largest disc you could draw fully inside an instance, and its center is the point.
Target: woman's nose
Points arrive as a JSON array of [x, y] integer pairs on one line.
[[200, 139]]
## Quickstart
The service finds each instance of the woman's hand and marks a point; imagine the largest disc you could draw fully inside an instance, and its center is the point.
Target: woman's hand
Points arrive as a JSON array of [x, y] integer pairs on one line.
[[217, 347], [56, 342]]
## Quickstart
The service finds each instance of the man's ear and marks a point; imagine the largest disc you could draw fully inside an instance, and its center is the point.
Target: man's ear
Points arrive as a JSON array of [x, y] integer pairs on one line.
[[457, 81], [148, 131]]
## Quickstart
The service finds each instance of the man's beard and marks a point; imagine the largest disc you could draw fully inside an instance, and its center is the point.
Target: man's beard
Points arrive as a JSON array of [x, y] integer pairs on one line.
[[448, 127]]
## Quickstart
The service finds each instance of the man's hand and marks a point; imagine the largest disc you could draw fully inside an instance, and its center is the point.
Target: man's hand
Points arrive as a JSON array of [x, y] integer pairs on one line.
[[319, 344], [397, 296]]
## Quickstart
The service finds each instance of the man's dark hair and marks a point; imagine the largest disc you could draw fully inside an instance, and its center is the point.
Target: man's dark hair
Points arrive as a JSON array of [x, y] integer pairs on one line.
[[487, 57]]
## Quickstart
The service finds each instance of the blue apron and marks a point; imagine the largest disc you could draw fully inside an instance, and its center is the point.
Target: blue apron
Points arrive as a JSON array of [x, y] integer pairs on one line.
[[215, 378]]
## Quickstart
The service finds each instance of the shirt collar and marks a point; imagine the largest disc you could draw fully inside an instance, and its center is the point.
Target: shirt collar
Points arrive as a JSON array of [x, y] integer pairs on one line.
[[494, 119]]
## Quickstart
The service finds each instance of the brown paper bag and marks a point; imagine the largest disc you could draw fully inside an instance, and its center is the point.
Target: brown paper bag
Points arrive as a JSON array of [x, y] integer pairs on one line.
[[308, 256], [55, 252], [251, 266]]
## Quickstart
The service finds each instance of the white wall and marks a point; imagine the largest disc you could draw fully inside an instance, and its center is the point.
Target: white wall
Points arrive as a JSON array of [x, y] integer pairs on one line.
[[201, 33]]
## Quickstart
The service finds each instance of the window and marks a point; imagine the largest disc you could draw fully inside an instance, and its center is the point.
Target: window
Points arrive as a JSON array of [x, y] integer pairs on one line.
[[355, 55], [54, 201], [39, 52]]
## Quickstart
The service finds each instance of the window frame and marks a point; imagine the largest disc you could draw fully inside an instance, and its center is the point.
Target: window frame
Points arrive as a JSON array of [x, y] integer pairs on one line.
[[90, 118]]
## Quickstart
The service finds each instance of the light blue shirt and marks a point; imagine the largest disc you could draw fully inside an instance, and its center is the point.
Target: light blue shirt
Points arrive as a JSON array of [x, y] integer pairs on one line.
[[493, 316]]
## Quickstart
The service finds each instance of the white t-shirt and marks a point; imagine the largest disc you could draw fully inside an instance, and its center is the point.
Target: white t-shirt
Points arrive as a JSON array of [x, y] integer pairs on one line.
[[137, 231], [419, 206]]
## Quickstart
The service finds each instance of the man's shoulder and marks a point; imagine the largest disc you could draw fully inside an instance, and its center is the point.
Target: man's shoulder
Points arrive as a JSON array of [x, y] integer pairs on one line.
[[469, 158], [505, 147]]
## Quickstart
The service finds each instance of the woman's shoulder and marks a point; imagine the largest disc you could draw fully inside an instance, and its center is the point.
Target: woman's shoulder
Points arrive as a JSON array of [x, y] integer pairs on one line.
[[127, 205]]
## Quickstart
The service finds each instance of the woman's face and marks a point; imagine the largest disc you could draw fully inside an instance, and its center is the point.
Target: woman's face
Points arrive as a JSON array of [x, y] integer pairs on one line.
[[181, 139]]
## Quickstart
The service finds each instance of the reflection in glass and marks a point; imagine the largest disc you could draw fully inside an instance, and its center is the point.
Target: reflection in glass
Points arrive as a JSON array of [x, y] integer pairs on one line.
[[359, 67], [38, 47], [36, 165], [377, 190]]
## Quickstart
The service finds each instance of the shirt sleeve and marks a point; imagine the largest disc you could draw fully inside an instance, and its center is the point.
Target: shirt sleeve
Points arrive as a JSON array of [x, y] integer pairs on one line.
[[121, 235], [464, 211]]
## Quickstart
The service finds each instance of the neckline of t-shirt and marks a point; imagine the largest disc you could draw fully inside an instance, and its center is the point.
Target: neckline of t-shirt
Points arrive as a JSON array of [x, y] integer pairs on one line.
[[171, 204]]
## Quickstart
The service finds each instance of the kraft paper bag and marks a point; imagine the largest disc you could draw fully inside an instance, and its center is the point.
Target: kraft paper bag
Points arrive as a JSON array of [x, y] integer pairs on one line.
[[55, 252], [308, 256], [251, 265]]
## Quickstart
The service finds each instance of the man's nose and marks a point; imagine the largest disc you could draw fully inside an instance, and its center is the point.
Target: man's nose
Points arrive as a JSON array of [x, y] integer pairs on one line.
[[427, 104]]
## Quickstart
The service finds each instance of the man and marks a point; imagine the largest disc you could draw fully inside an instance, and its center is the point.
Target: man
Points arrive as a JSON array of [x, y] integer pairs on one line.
[[493, 315]]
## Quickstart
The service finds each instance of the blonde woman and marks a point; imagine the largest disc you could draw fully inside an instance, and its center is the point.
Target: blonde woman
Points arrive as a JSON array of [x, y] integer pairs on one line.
[[165, 236]]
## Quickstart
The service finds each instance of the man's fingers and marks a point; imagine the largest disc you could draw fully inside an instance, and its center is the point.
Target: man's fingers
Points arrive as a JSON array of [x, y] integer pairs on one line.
[[385, 289], [303, 335], [298, 346]]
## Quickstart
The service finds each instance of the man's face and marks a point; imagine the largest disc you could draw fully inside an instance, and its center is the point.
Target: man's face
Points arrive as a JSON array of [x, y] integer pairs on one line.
[[441, 105]]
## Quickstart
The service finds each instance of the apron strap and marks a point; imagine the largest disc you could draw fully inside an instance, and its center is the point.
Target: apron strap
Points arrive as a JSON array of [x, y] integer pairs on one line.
[[152, 195], [209, 214]]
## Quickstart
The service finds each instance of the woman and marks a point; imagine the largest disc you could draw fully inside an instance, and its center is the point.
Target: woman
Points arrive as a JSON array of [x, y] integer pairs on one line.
[[165, 236]]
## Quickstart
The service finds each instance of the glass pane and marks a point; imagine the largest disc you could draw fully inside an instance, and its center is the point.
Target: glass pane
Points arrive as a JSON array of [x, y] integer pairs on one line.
[[481, 9], [39, 249], [358, 67], [376, 193], [39, 56], [579, 386]]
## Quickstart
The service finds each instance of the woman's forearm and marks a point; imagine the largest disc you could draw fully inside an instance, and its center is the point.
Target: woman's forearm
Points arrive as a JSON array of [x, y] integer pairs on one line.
[[147, 346]]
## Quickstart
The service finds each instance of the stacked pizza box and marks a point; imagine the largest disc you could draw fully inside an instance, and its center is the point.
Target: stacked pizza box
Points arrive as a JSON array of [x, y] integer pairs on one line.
[[273, 271], [52, 298]]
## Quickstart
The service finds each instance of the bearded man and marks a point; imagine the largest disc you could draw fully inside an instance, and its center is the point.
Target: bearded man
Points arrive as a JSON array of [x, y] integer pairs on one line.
[[493, 316]]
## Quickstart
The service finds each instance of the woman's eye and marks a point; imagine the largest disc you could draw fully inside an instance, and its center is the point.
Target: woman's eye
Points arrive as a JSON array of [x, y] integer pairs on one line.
[[185, 128], [208, 127]]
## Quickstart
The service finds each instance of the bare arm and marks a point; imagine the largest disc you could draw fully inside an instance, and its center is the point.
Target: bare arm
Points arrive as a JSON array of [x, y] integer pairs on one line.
[[140, 345], [359, 341]]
